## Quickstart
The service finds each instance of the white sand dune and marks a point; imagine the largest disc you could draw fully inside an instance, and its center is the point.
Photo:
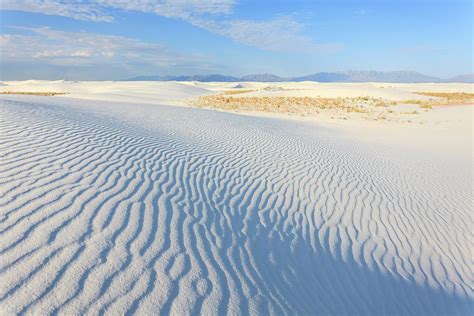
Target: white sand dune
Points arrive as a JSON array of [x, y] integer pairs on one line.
[[159, 92], [136, 208], [137, 92]]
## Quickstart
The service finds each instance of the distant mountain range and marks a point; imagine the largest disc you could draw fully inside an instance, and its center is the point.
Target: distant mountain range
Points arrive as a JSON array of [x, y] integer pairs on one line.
[[342, 76]]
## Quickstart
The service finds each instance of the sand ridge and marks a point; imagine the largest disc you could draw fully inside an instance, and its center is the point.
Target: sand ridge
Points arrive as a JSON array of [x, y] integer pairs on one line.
[[111, 207]]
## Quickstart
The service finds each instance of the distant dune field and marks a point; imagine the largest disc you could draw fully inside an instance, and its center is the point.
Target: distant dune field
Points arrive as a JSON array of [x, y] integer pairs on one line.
[[115, 200], [384, 102]]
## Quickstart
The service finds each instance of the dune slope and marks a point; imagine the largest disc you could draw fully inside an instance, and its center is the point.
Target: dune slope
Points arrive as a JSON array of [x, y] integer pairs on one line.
[[126, 208]]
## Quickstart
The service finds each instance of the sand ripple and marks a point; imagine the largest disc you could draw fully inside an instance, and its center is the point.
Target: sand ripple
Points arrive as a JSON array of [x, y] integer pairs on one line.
[[146, 209]]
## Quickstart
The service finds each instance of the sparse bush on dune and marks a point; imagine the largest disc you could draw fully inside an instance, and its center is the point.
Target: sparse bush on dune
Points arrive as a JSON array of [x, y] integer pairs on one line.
[[44, 94], [357, 110], [380, 103], [237, 91], [281, 104], [376, 108], [416, 102], [289, 104], [441, 98], [451, 97]]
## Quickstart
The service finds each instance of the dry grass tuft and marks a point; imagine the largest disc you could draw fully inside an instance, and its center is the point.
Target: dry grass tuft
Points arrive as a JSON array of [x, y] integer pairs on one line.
[[43, 94], [230, 92], [442, 98], [417, 102], [451, 97], [279, 104], [375, 108], [411, 113]]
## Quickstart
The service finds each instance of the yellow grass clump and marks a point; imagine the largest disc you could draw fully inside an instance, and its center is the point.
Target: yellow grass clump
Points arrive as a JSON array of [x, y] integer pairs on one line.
[[44, 94], [417, 102], [451, 97], [376, 108], [441, 98], [230, 92], [278, 104]]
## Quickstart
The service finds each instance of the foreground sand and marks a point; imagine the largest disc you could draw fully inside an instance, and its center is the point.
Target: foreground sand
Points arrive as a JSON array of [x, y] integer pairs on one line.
[[142, 208]]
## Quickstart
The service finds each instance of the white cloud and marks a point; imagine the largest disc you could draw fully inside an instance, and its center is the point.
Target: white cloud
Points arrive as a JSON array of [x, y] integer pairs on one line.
[[361, 12], [51, 53], [79, 10], [96, 10], [280, 34], [81, 47], [173, 8]]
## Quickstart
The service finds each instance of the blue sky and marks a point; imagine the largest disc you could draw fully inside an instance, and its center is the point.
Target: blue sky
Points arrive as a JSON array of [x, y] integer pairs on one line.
[[117, 39]]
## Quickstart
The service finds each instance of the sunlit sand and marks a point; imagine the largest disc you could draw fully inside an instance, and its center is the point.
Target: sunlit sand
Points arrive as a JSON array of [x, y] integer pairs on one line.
[[302, 198]]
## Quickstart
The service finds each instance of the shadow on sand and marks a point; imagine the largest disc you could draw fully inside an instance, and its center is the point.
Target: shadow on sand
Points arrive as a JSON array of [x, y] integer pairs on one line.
[[320, 282]]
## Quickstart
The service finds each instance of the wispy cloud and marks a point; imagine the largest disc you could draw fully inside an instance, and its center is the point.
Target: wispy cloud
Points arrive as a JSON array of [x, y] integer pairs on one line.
[[44, 46], [361, 12], [96, 10], [279, 34], [173, 8], [61, 47], [85, 11]]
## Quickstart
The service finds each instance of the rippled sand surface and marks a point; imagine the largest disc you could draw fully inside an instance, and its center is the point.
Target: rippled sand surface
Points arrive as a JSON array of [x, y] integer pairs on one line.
[[129, 208]]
